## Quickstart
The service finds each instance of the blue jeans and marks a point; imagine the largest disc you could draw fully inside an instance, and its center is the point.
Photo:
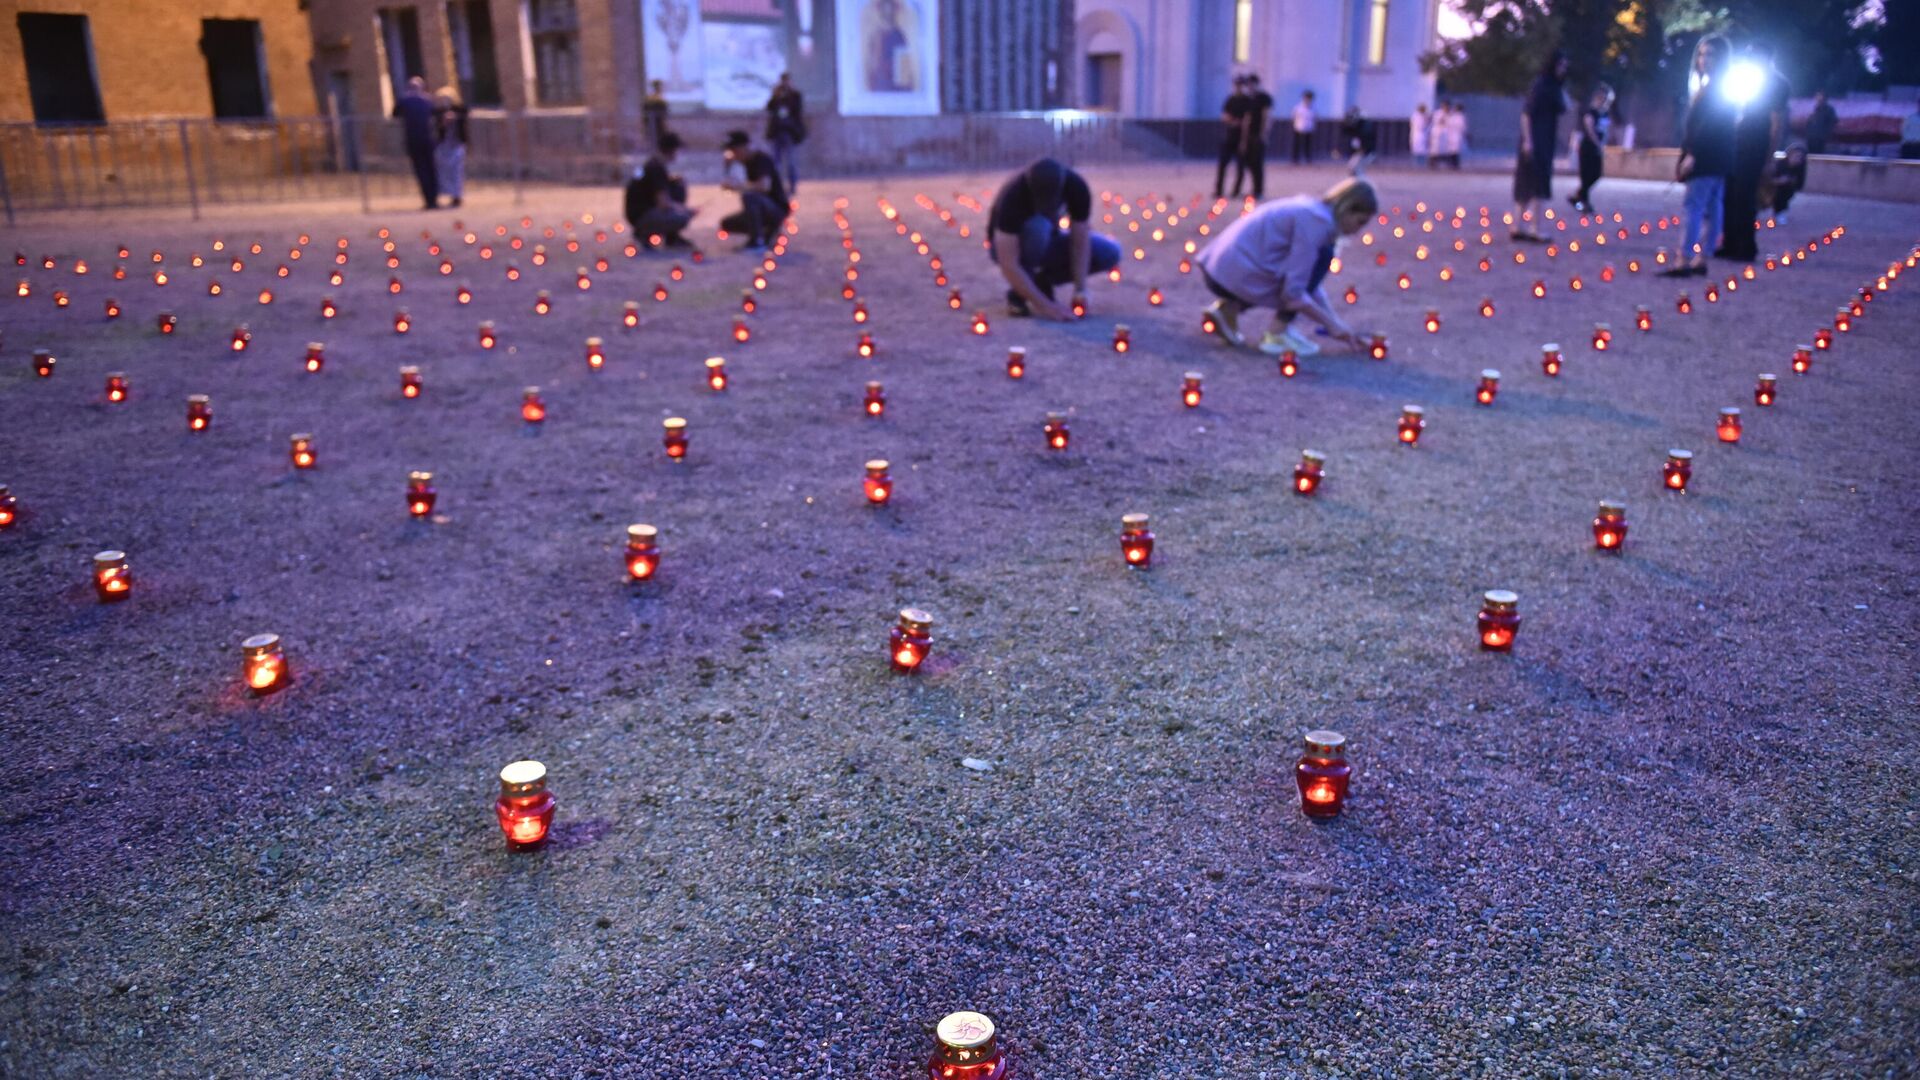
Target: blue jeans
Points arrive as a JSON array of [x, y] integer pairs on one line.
[[1705, 203], [1046, 253]]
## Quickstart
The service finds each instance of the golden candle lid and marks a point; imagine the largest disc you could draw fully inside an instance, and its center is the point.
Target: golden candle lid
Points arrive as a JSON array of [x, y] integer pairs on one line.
[[1056, 418], [316, 346], [1768, 376], [1313, 457], [877, 466], [714, 363], [1412, 410], [1554, 346], [965, 1030], [1325, 744], [1491, 374], [1133, 522], [109, 557], [1679, 455], [1730, 411], [632, 305], [1612, 508], [523, 778], [915, 619], [530, 393], [300, 437], [594, 342], [260, 644], [1193, 376], [1601, 326], [486, 324], [674, 423], [420, 476], [874, 386], [197, 399], [642, 534], [1501, 599], [1642, 309], [1019, 351], [1120, 328], [121, 376], [409, 369]]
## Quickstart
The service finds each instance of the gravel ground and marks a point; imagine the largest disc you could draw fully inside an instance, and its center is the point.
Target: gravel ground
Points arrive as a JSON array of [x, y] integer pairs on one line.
[[1673, 833]]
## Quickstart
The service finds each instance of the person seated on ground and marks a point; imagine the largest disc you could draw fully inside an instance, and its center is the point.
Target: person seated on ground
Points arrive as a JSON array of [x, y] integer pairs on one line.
[[1278, 257], [1787, 173], [763, 199], [1034, 254], [657, 199]]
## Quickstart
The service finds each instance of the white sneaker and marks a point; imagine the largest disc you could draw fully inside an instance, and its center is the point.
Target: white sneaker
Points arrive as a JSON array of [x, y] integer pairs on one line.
[[1226, 323], [1287, 341]]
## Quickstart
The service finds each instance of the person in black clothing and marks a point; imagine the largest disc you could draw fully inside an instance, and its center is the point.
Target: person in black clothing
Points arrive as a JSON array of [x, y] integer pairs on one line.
[[763, 200], [1233, 121], [1253, 139], [1706, 157], [786, 127], [657, 200], [1357, 131], [450, 147], [1594, 123], [1539, 131], [1756, 131], [1034, 254], [1788, 173], [1820, 125], [415, 110], [653, 113]]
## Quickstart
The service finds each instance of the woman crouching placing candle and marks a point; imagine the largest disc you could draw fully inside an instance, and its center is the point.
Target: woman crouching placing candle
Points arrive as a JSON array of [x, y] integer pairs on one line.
[[1278, 256]]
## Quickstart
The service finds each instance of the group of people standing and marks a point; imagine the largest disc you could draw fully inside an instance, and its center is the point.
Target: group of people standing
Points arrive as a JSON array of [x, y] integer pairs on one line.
[[1437, 137], [435, 127], [1244, 118], [1727, 152]]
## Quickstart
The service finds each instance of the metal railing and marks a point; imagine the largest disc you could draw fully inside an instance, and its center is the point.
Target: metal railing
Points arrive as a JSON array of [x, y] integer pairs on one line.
[[201, 164]]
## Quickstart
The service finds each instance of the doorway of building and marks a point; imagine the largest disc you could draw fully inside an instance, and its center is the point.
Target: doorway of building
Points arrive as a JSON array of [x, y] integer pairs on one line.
[[1103, 81], [234, 71]]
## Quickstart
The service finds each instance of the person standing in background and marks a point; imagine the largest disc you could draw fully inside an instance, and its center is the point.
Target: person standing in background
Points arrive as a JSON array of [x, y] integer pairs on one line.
[[415, 111], [786, 128], [1821, 123], [1420, 134], [1456, 133], [1303, 129], [1539, 131], [1788, 174], [450, 144], [1595, 120], [1233, 131], [1253, 142], [1756, 131], [1706, 157], [653, 114]]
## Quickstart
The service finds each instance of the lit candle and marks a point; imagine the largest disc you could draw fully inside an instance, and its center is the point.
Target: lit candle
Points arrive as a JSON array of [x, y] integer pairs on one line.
[[1322, 774], [1610, 526], [112, 576], [1154, 296], [1728, 427], [463, 295], [327, 308], [263, 664], [1712, 293], [965, 1050], [1413, 421], [1550, 358], [421, 494], [674, 437], [865, 347], [596, 354], [1678, 470], [542, 302], [1310, 473], [1823, 339], [165, 322], [1765, 389], [401, 322], [300, 450], [199, 412], [1499, 620], [1433, 321], [910, 639], [1802, 359], [1017, 362], [876, 399], [953, 300], [643, 552], [1289, 363], [487, 338], [241, 337], [1489, 387], [409, 382], [1684, 304], [1404, 282], [581, 280], [532, 408], [878, 484], [1056, 431], [1080, 305], [1122, 338], [1352, 295], [1539, 290], [43, 363], [1378, 350], [1486, 307], [9, 508], [116, 386], [1643, 317], [525, 806], [316, 356], [979, 322], [1190, 390], [1136, 541], [113, 309]]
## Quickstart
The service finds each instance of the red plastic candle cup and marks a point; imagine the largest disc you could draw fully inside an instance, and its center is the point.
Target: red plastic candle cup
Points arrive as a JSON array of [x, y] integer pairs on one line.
[[1413, 421], [1190, 390], [542, 302], [1765, 389], [166, 321], [581, 280], [910, 640], [410, 385], [1684, 304], [1602, 337], [533, 409], [980, 322], [117, 386], [113, 309], [263, 665], [1802, 359], [1486, 308], [1499, 620], [402, 322], [875, 402], [966, 1050], [878, 484], [1678, 470], [860, 311], [1017, 362], [1310, 473], [112, 576], [1289, 364], [1322, 774], [630, 314], [316, 357], [1155, 297], [643, 552], [1843, 320], [1136, 541], [1728, 426], [1550, 359], [1433, 321], [596, 354], [300, 450], [1610, 526], [953, 300], [659, 292], [525, 806], [421, 494], [1080, 306], [43, 363], [1643, 317], [716, 373], [1823, 339], [199, 412], [1056, 431], [1122, 338], [1378, 350], [487, 336], [463, 295], [241, 338], [674, 437], [394, 286], [9, 508], [1539, 290]]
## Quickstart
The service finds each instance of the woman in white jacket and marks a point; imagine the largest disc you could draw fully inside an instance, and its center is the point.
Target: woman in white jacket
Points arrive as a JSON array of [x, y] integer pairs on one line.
[[1277, 257], [1420, 130]]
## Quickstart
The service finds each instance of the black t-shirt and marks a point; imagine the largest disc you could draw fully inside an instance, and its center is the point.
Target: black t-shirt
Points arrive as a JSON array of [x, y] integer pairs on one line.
[[1013, 207], [1236, 106], [1600, 122], [760, 166], [1709, 132], [1259, 107], [653, 180], [1753, 132]]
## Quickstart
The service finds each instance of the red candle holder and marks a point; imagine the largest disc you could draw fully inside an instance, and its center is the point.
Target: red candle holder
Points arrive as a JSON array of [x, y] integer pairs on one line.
[[9, 508], [1413, 421], [242, 337], [1017, 362], [1433, 321], [525, 806], [1056, 431], [1352, 295], [1378, 349], [112, 576], [1310, 473], [1766, 389], [328, 309], [1322, 774], [865, 347], [596, 354], [463, 295], [487, 337], [1678, 470], [1489, 387], [1575, 284], [1857, 309], [300, 450], [1539, 290], [199, 412], [1136, 541], [581, 280], [113, 309], [421, 494], [674, 437], [1499, 620], [1080, 306], [316, 357], [643, 552], [1155, 297], [166, 321], [1643, 317], [980, 322], [630, 314], [533, 409], [402, 322], [878, 484], [1683, 304], [1289, 364], [1823, 339], [1802, 359], [1606, 273], [1190, 390], [1610, 526], [966, 1050], [1486, 308], [1843, 320], [1550, 359], [954, 301], [876, 400], [1122, 338], [410, 385], [1602, 337], [263, 664], [678, 272], [1404, 282], [116, 386], [759, 281], [43, 363], [1728, 427], [1712, 293], [910, 640]]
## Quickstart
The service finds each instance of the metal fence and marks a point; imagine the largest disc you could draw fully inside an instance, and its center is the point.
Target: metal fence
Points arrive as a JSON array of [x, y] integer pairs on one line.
[[199, 164]]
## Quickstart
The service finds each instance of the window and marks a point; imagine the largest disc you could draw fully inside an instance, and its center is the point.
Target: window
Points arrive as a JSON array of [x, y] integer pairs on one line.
[[58, 50], [1103, 81], [471, 26], [232, 49], [553, 30], [400, 40], [1377, 33], [1242, 30]]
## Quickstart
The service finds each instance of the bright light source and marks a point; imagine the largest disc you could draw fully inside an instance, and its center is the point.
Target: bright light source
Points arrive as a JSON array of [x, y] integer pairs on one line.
[[1743, 82]]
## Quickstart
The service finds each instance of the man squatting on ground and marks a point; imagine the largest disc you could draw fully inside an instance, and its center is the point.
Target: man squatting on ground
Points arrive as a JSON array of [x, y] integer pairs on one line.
[[1278, 256], [1034, 254], [763, 198], [657, 199]]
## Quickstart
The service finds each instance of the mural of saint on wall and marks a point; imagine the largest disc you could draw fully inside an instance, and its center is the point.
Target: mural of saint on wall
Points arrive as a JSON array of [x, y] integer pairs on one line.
[[889, 57]]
